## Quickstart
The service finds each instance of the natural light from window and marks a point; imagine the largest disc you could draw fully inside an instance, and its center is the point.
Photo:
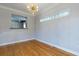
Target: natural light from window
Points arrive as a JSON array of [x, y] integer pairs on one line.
[[59, 15]]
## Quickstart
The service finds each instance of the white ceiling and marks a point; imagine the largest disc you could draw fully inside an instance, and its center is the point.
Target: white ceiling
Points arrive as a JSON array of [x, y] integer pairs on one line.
[[22, 6]]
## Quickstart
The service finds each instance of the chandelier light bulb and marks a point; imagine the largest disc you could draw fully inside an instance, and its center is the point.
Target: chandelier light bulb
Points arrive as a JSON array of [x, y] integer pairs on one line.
[[33, 8]]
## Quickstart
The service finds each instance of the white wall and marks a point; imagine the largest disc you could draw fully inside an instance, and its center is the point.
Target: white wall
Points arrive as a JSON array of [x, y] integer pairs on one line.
[[63, 31], [8, 35]]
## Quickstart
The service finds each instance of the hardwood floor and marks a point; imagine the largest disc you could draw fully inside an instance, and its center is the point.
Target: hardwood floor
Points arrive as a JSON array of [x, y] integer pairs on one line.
[[31, 48]]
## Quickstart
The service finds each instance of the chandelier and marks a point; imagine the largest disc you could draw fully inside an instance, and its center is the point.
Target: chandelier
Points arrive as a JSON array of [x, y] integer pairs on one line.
[[32, 8]]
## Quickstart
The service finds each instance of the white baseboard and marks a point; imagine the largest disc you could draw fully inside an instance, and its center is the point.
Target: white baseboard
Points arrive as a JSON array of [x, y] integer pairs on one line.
[[65, 49], [15, 42]]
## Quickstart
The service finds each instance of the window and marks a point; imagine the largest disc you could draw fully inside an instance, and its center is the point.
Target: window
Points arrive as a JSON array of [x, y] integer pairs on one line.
[[18, 22]]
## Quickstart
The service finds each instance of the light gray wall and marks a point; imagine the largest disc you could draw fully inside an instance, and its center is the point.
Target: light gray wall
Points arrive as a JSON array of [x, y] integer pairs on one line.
[[63, 31], [8, 35]]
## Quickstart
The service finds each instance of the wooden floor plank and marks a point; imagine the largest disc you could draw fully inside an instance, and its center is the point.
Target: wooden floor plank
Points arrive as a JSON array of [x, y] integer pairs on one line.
[[32, 48]]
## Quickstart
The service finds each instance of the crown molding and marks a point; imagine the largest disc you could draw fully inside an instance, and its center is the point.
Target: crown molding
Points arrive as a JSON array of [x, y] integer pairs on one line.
[[43, 11], [50, 7], [11, 9]]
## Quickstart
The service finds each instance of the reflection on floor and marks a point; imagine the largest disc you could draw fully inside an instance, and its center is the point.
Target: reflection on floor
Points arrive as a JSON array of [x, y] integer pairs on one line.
[[31, 48]]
